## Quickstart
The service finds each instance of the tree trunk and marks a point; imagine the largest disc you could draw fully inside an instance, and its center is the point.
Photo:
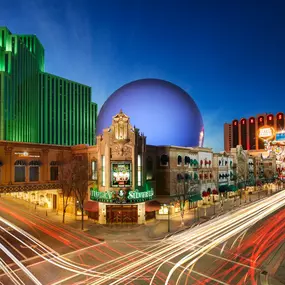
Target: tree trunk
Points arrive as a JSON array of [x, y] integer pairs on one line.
[[82, 219], [63, 215]]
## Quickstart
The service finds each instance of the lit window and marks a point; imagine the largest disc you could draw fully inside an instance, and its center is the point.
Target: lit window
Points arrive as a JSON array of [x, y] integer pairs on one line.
[[163, 210], [139, 170], [251, 120], [243, 122], [260, 119], [93, 170], [103, 170], [280, 116], [270, 118]]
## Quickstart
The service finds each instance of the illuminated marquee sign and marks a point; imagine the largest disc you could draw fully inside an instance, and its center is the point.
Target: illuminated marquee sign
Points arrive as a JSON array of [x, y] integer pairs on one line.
[[280, 136], [266, 133], [121, 196], [26, 154], [121, 174]]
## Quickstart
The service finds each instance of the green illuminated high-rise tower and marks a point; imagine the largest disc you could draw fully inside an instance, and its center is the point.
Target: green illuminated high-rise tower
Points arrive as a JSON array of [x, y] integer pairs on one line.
[[36, 106]]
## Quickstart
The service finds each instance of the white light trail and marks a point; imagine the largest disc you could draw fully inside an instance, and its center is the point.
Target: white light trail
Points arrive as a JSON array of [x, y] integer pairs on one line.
[[198, 241], [24, 269]]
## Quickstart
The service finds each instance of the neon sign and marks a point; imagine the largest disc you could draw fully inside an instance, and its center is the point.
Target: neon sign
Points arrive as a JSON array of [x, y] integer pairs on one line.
[[266, 133], [280, 136], [121, 196]]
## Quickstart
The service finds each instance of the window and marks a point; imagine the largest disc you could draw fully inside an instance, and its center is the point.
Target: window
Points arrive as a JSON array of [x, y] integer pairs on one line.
[[179, 160], [164, 160], [103, 170], [20, 171], [34, 173], [34, 170], [54, 170], [186, 160], [139, 170], [54, 173], [93, 170]]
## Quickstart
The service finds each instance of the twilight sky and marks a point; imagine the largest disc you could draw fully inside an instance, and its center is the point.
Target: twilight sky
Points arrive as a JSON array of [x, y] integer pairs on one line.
[[229, 55]]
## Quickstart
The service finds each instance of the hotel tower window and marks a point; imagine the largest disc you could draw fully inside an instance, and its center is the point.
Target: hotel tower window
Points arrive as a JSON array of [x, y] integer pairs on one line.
[[139, 170], [235, 133], [20, 170], [103, 170], [270, 120], [251, 129], [243, 133], [260, 124], [280, 122]]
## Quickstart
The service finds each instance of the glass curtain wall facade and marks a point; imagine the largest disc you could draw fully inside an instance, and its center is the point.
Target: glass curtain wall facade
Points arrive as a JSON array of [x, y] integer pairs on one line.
[[36, 106]]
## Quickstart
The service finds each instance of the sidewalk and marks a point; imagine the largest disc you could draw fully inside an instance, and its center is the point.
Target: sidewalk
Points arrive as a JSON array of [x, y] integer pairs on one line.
[[154, 229]]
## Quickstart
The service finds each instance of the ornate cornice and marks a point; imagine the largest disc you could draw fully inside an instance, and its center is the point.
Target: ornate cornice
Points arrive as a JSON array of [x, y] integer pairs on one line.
[[29, 187]]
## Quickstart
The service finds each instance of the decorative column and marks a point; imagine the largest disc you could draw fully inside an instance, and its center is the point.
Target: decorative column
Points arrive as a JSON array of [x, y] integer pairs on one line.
[[45, 166], [107, 166], [8, 165]]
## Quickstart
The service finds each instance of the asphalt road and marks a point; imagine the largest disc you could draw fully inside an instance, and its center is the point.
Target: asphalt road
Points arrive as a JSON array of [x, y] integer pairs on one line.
[[74, 257]]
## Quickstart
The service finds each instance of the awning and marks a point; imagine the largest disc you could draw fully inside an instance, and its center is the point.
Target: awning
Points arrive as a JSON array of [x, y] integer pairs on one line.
[[91, 206], [223, 188], [151, 206], [195, 198], [241, 184], [233, 188]]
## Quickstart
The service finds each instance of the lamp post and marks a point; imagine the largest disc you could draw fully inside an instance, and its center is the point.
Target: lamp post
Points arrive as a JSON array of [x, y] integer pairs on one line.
[[168, 207]]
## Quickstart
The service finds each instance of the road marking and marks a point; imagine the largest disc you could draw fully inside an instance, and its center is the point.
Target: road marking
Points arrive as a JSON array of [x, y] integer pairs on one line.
[[12, 246]]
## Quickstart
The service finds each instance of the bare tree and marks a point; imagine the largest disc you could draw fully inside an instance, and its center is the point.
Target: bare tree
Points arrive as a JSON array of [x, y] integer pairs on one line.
[[67, 181], [81, 182]]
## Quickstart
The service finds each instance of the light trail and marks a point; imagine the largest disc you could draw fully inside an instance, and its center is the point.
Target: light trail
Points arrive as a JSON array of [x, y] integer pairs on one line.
[[55, 260], [176, 255], [24, 269], [198, 241]]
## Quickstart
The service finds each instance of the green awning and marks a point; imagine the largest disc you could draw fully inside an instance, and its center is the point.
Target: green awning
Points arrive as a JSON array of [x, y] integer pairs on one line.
[[232, 188], [223, 188], [195, 198], [241, 184]]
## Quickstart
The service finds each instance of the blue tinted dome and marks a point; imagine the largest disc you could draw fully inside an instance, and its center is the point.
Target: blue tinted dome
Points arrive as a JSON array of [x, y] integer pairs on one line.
[[164, 112]]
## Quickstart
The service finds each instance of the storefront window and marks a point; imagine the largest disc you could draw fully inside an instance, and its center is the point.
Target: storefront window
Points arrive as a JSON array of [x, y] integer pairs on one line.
[[163, 210]]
